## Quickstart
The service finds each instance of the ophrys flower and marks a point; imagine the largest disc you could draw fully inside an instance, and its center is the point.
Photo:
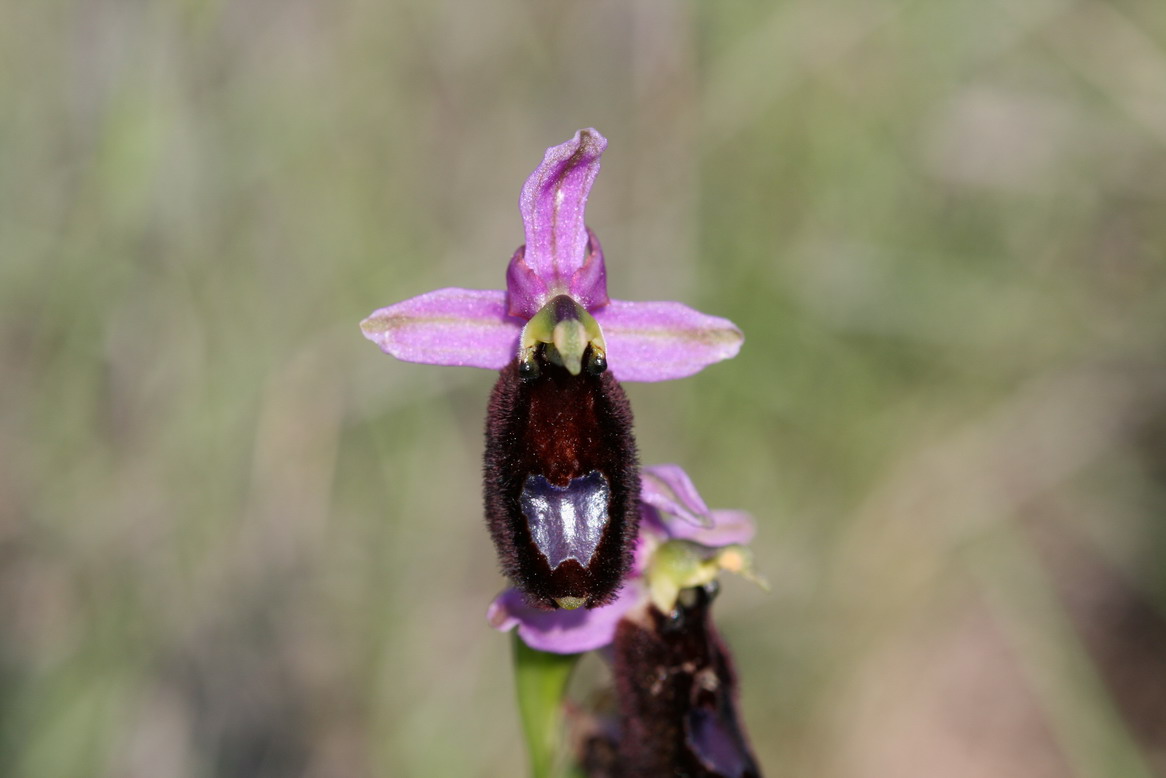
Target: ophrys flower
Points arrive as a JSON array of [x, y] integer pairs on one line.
[[561, 480], [640, 341]]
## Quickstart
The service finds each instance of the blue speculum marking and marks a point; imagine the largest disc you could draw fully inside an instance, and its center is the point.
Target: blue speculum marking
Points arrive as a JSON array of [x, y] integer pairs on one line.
[[566, 522]]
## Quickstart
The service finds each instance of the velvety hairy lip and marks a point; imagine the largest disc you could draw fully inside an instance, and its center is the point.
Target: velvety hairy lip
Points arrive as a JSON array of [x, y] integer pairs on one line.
[[670, 509], [561, 484]]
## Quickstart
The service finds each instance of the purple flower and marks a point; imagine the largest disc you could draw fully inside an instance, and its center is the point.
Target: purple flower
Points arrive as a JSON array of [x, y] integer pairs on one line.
[[561, 481], [682, 544], [555, 298]]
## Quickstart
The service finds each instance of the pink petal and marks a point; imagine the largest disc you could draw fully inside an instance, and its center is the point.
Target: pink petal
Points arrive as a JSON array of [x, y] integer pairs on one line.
[[683, 515], [669, 489], [559, 250], [589, 283], [561, 631], [464, 327], [663, 340], [728, 527], [526, 292]]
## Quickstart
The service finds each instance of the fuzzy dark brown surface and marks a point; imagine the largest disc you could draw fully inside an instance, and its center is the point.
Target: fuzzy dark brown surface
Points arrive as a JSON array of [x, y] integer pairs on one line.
[[668, 675], [561, 427]]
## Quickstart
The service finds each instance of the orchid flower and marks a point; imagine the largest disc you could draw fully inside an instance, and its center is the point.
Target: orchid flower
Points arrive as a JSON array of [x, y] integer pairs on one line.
[[556, 295], [601, 554], [561, 481]]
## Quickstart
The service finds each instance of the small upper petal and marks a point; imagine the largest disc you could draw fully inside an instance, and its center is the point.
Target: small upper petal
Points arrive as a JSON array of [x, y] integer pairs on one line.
[[463, 327], [728, 528], [681, 513], [669, 489], [559, 249], [589, 283], [658, 341], [526, 292]]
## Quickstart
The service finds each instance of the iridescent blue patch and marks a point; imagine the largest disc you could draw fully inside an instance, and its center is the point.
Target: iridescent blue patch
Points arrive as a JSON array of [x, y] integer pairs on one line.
[[566, 522]]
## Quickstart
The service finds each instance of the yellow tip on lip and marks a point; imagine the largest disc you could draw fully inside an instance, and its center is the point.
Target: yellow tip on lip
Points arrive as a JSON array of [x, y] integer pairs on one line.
[[570, 603]]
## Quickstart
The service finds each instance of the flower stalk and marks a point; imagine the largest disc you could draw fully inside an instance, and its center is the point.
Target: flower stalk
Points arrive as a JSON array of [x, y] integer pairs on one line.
[[541, 680]]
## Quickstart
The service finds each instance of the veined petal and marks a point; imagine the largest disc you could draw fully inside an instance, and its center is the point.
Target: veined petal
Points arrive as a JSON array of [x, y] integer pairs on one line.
[[669, 489], [589, 283], [728, 528], [563, 631], [462, 327], [526, 292], [559, 249], [658, 341]]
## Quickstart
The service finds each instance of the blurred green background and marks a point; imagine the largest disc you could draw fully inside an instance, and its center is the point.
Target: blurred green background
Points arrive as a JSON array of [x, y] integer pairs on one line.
[[236, 540]]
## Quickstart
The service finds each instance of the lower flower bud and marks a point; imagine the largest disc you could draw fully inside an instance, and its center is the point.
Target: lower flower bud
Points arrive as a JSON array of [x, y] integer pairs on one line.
[[677, 696]]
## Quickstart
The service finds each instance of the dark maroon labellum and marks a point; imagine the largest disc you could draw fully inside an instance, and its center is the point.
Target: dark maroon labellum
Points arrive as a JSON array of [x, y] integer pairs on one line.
[[562, 482], [677, 698]]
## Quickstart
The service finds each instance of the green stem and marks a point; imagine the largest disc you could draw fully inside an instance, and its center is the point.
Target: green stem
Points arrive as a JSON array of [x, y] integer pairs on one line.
[[541, 679]]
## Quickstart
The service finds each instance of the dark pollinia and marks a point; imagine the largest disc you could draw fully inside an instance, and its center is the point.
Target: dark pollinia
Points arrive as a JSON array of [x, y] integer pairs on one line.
[[562, 483]]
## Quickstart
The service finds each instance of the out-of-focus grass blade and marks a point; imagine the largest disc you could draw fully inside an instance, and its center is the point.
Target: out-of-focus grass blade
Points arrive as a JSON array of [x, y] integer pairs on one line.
[[1083, 715]]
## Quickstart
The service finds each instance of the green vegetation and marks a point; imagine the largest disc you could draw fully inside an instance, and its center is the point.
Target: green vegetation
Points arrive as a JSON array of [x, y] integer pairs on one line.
[[236, 540]]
